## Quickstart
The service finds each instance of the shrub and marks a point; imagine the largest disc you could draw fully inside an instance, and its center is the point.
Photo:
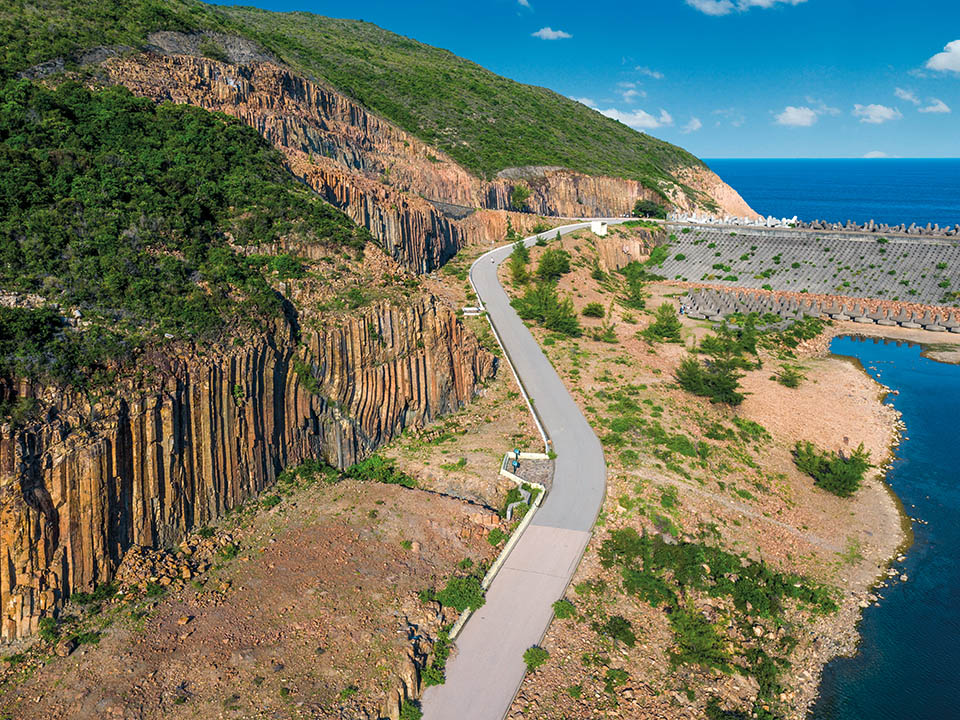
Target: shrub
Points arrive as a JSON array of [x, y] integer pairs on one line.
[[614, 678], [658, 256], [831, 471], [788, 376], [718, 381], [698, 642], [410, 710], [124, 211], [594, 310], [535, 657], [435, 673], [553, 263], [378, 469], [617, 628], [649, 208], [462, 593], [563, 609], [666, 326], [496, 536], [270, 501], [543, 304]]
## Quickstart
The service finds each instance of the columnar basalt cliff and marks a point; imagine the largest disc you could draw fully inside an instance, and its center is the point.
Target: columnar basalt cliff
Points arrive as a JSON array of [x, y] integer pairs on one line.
[[381, 176], [194, 433]]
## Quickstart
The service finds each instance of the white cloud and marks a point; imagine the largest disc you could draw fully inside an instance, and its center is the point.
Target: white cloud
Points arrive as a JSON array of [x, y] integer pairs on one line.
[[876, 114], [822, 108], [712, 7], [875, 154], [630, 92], [640, 119], [907, 95], [797, 116], [948, 60], [725, 7], [524, 3], [731, 115], [589, 102], [650, 73], [551, 34], [692, 126], [936, 106]]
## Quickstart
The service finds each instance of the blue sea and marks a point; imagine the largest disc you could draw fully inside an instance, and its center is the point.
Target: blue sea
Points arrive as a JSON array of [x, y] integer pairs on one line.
[[909, 658], [889, 191]]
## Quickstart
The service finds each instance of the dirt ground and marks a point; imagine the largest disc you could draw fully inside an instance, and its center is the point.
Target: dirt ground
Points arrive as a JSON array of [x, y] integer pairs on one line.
[[460, 455], [315, 616], [749, 490]]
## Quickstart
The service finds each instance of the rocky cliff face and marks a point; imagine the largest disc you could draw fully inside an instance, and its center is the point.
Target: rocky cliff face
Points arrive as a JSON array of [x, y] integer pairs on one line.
[[615, 252], [195, 433], [381, 176]]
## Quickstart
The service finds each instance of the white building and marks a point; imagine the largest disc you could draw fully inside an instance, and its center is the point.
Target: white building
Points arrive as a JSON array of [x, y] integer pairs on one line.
[[599, 228]]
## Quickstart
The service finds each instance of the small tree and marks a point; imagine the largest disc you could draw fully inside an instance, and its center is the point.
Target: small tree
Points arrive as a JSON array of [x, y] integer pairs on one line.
[[542, 304], [717, 380], [553, 263], [832, 471], [519, 196], [665, 327], [649, 208], [519, 259]]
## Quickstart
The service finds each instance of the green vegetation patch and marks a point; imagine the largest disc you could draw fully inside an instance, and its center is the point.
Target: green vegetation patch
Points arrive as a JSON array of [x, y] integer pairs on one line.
[[839, 474], [484, 121], [119, 210], [542, 303], [674, 575]]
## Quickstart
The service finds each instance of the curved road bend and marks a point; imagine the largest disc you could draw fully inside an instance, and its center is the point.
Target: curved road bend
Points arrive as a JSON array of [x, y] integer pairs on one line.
[[485, 674]]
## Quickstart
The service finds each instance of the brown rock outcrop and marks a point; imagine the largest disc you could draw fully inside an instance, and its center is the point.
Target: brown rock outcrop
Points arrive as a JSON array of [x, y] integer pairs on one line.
[[381, 176], [180, 443], [615, 252]]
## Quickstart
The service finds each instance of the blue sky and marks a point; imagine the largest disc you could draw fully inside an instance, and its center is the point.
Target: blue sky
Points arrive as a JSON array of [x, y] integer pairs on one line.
[[723, 78]]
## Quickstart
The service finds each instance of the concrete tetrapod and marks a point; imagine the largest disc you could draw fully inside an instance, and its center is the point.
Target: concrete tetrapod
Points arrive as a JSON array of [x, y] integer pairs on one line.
[[485, 672]]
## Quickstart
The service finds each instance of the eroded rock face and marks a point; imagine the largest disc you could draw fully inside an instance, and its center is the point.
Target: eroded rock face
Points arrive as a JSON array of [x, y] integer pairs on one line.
[[381, 176], [199, 431]]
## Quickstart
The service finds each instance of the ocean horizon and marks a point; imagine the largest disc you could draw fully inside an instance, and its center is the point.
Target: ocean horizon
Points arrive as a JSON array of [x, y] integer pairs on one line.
[[887, 190]]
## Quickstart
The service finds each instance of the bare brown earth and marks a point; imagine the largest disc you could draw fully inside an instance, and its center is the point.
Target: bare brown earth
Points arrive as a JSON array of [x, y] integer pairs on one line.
[[748, 489], [316, 616]]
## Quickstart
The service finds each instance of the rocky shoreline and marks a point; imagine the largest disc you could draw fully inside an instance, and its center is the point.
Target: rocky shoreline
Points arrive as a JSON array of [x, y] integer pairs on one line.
[[838, 635]]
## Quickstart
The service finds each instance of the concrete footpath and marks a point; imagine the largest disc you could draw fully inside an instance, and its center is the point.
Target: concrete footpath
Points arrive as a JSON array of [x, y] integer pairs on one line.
[[487, 668]]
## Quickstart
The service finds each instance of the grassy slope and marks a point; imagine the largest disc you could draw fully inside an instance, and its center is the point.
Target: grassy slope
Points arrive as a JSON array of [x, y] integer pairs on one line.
[[484, 121]]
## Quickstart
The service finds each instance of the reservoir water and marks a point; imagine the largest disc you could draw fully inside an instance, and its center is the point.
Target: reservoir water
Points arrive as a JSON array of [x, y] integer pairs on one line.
[[908, 664]]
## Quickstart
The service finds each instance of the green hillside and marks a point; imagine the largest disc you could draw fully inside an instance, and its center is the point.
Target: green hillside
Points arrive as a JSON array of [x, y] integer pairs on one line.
[[484, 121], [120, 209]]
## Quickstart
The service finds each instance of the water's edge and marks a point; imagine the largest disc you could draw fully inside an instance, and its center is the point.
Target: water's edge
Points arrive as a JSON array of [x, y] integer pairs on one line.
[[902, 654]]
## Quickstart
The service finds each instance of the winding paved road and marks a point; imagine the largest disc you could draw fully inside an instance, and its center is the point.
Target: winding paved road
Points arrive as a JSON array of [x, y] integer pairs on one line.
[[484, 675]]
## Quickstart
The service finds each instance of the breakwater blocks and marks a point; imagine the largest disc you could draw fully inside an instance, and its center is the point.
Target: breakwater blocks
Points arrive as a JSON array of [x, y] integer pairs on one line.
[[909, 270], [872, 227], [718, 304]]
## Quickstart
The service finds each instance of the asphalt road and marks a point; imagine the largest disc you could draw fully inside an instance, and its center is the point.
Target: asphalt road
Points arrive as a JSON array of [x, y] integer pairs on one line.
[[484, 674]]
